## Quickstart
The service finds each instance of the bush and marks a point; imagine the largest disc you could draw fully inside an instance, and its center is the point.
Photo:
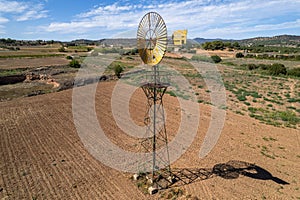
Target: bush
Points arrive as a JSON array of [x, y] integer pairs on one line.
[[294, 72], [239, 55], [118, 70], [62, 49], [216, 58], [287, 116], [277, 68], [129, 52], [252, 66], [74, 64], [241, 97], [263, 66], [69, 57]]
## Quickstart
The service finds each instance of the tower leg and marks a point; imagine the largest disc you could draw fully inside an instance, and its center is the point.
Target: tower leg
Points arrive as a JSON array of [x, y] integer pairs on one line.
[[157, 140]]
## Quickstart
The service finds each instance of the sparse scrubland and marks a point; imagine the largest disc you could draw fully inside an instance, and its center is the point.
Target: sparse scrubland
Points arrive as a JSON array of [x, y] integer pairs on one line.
[[42, 156]]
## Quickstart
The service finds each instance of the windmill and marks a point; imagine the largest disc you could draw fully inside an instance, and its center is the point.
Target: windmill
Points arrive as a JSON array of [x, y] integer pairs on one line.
[[152, 45]]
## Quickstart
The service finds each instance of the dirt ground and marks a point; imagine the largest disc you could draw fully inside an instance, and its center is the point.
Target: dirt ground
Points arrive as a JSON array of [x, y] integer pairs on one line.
[[42, 156], [15, 63], [223, 54]]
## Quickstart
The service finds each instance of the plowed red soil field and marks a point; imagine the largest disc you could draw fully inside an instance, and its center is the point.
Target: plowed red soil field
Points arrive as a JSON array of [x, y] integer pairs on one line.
[[42, 157]]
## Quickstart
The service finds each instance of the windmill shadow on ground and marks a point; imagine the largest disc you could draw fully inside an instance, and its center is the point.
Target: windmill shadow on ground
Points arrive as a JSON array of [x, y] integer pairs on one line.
[[230, 170]]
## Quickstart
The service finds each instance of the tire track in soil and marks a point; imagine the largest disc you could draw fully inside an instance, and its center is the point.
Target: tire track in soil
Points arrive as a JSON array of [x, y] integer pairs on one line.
[[46, 151], [83, 167], [104, 95], [4, 168], [57, 143], [46, 131], [16, 159], [35, 148]]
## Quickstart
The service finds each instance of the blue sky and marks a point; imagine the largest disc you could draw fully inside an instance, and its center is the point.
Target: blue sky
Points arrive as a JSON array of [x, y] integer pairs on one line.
[[94, 19]]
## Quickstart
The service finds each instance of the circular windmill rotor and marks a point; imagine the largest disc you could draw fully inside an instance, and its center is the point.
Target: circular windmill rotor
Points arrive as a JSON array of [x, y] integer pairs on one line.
[[152, 38]]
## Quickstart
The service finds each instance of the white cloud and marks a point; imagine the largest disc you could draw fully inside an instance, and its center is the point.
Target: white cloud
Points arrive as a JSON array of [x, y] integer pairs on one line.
[[285, 25], [32, 14], [228, 32], [2, 31], [12, 6], [3, 20], [106, 10], [22, 11], [200, 17]]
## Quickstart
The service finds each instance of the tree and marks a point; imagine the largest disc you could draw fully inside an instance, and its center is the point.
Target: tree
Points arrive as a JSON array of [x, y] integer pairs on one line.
[[236, 45], [228, 45], [206, 45], [218, 45], [118, 70], [215, 45]]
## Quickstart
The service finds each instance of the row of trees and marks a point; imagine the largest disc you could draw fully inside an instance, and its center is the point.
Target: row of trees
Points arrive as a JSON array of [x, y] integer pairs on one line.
[[219, 45], [269, 56], [13, 42], [277, 49], [274, 69], [213, 58]]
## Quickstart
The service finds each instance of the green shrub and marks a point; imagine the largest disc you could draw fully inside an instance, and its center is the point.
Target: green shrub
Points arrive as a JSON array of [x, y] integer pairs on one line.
[[239, 55], [241, 98], [74, 64], [69, 57], [252, 66], [171, 93], [255, 94], [277, 69], [293, 100], [62, 49], [118, 69], [263, 66], [294, 72], [288, 116], [216, 58], [247, 103], [252, 109]]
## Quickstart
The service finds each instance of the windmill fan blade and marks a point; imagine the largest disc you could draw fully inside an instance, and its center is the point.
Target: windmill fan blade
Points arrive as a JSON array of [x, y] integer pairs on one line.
[[152, 38]]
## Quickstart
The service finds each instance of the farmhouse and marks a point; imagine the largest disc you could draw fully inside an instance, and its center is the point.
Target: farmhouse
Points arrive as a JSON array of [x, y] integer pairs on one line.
[[179, 37]]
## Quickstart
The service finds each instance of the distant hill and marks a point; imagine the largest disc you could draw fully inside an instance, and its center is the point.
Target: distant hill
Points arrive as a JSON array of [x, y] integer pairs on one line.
[[280, 40], [283, 40], [203, 40]]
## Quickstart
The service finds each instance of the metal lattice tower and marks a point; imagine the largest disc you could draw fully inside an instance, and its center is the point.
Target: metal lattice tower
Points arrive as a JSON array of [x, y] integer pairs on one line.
[[157, 142]]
